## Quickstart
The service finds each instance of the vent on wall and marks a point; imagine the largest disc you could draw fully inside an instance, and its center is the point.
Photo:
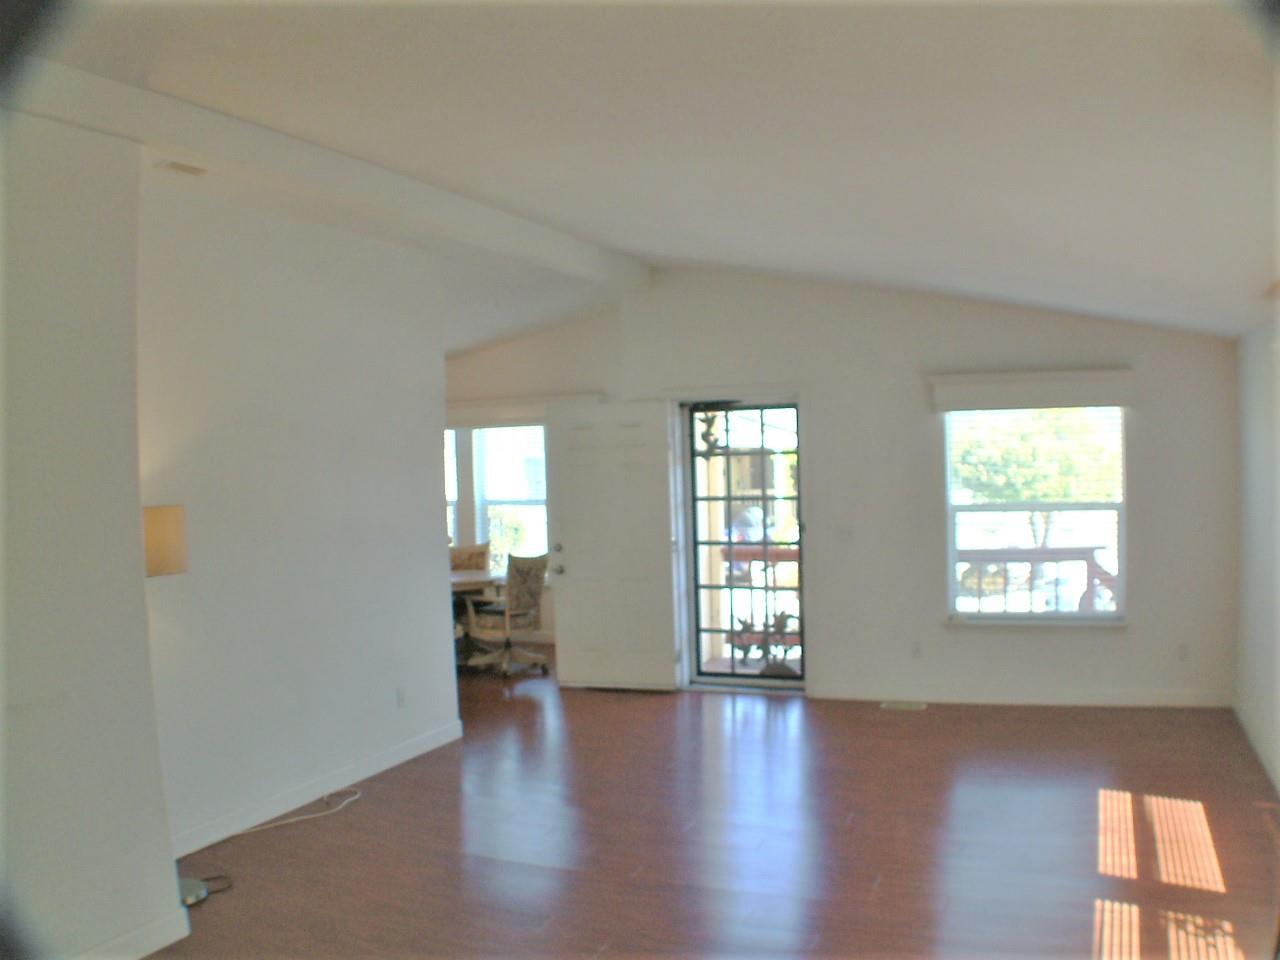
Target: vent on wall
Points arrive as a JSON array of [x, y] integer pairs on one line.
[[177, 166]]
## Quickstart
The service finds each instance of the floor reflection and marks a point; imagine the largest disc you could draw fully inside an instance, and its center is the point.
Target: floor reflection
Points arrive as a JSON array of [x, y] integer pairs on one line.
[[757, 829], [1009, 845], [521, 778]]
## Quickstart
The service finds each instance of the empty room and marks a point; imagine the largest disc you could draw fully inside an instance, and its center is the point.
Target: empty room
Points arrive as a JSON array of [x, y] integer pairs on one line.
[[848, 433]]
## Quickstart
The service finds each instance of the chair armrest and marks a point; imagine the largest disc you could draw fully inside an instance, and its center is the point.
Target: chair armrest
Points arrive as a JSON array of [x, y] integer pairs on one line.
[[473, 603], [471, 610]]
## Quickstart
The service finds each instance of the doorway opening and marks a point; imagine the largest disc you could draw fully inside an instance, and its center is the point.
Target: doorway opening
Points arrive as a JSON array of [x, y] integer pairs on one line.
[[744, 475]]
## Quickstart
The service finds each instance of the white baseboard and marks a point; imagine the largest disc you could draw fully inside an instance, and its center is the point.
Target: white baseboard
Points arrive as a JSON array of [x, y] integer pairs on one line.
[[145, 940], [618, 685], [267, 809], [1093, 697]]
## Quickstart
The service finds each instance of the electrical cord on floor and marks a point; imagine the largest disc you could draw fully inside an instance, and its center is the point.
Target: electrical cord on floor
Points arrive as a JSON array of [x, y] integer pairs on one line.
[[354, 796], [221, 882], [220, 878]]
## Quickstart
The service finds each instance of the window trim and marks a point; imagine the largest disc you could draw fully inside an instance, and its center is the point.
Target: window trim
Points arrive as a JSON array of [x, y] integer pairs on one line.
[[454, 535], [1047, 618], [465, 505]]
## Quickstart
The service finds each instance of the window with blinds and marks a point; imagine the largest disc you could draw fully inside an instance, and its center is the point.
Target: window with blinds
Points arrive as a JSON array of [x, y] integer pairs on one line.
[[1035, 503], [496, 490]]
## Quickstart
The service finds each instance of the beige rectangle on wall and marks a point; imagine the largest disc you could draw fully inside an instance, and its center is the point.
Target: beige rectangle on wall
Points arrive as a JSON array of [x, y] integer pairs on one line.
[[1028, 389], [165, 535]]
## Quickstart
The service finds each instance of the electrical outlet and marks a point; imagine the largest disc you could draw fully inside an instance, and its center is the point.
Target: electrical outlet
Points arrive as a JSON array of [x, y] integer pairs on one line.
[[400, 697]]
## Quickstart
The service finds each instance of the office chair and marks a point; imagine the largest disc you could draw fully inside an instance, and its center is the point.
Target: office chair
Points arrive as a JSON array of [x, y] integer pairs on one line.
[[519, 610]]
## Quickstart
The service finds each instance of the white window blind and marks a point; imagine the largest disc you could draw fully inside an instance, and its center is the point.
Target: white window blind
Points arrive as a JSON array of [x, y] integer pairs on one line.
[[1026, 390]]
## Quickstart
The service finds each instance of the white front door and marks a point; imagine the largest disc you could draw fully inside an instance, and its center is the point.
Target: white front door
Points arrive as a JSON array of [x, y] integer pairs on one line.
[[609, 499]]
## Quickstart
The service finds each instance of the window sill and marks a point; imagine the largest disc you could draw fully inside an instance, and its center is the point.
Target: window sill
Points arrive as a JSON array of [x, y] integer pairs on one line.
[[1096, 623]]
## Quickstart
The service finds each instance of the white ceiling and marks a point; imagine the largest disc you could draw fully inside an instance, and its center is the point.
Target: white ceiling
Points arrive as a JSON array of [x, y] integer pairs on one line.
[[1109, 159]]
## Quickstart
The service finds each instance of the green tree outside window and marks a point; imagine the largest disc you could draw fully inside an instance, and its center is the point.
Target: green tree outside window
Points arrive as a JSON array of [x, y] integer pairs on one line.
[[1052, 455]]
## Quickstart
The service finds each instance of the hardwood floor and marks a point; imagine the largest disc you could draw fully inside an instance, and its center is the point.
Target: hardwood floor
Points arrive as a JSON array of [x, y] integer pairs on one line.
[[601, 824]]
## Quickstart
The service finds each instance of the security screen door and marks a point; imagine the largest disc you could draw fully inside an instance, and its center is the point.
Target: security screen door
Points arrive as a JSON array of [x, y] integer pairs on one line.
[[745, 465]]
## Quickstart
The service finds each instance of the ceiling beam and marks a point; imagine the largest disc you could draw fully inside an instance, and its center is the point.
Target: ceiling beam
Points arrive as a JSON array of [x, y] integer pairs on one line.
[[390, 202]]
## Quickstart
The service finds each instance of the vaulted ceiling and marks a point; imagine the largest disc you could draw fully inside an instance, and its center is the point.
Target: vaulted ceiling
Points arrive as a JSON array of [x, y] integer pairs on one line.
[[1111, 159]]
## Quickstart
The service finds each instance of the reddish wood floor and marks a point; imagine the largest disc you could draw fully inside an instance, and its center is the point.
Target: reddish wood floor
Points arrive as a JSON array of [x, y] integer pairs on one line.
[[596, 824]]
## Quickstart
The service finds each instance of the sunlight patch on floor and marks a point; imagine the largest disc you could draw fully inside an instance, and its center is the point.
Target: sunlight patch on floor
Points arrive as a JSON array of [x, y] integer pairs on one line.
[[1117, 850], [1115, 931], [1195, 938], [1185, 852]]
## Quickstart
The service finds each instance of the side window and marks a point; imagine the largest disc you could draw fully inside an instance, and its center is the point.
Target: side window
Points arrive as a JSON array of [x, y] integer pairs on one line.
[[511, 492], [1035, 505]]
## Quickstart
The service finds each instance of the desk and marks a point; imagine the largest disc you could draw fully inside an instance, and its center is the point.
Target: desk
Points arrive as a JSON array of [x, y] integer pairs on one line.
[[475, 581]]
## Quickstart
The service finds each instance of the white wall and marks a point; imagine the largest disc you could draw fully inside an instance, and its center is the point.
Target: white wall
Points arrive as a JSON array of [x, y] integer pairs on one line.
[[875, 539], [1259, 665], [1258, 683], [87, 836], [291, 392], [3, 447]]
